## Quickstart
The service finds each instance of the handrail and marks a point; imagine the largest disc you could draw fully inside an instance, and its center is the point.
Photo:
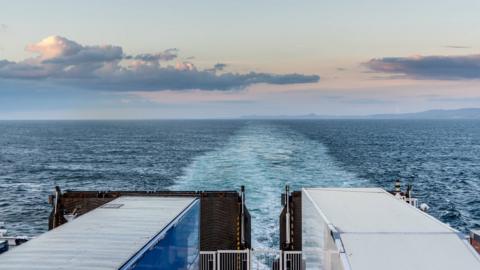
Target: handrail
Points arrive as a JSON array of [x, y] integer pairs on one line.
[[278, 259]]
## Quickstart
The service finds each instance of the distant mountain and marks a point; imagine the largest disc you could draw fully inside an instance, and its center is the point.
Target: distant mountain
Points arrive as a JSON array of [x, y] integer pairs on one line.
[[466, 113]]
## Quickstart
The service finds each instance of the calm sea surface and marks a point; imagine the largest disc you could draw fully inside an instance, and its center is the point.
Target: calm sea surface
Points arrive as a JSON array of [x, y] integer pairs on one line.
[[440, 158]]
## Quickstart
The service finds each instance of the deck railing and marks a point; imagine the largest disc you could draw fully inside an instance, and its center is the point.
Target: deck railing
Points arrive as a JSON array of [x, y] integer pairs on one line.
[[254, 259], [208, 260], [233, 259], [292, 260]]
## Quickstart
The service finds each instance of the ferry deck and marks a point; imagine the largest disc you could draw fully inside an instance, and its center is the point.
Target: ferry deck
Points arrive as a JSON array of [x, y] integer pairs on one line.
[[320, 228]]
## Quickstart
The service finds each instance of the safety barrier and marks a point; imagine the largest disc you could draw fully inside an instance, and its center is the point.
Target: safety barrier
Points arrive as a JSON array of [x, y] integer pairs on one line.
[[254, 259]]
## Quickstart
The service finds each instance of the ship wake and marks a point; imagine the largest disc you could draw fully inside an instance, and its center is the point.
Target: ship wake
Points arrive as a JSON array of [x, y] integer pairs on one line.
[[265, 157]]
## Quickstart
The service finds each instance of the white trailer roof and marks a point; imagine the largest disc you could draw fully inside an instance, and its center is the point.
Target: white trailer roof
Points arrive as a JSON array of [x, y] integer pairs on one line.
[[102, 239], [379, 231]]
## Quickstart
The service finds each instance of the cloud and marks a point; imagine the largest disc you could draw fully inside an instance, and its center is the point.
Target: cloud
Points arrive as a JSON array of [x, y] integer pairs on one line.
[[62, 61], [3, 27], [457, 47], [60, 50], [166, 55], [217, 67], [465, 67]]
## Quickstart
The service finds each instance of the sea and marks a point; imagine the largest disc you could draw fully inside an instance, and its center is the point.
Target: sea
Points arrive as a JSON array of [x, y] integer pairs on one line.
[[440, 158]]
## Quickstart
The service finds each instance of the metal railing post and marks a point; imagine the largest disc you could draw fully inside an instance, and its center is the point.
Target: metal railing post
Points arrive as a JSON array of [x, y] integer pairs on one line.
[[280, 262], [242, 221], [287, 217]]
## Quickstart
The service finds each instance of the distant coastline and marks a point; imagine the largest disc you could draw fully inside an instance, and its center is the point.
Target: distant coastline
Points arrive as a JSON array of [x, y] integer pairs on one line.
[[465, 113]]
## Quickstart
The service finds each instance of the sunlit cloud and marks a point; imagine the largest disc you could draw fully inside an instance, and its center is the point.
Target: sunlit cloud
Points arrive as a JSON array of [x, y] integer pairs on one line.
[[106, 67]]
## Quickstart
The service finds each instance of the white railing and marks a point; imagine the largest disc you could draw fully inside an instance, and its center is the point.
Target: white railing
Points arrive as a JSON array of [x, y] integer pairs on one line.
[[208, 260], [412, 201], [233, 259], [255, 259], [292, 260]]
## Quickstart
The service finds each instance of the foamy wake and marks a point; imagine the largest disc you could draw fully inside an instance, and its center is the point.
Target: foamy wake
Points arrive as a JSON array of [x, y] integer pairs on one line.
[[265, 157]]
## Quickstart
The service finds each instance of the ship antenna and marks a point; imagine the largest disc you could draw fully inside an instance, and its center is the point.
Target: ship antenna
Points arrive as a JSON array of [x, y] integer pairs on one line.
[[409, 191]]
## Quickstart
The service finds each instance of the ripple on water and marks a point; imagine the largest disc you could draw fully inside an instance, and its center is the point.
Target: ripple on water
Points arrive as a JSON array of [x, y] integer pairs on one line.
[[441, 159], [93, 155]]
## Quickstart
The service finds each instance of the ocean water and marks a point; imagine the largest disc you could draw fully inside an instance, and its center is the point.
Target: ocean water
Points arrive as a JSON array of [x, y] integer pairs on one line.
[[440, 158]]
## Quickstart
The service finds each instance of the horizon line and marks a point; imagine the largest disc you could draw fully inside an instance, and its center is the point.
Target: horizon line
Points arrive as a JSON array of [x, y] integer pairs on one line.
[[312, 116]]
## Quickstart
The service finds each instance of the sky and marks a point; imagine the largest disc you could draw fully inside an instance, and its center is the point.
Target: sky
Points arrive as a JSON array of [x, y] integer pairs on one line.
[[223, 59]]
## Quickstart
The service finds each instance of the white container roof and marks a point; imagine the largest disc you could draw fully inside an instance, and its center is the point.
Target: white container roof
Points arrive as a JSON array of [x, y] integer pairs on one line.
[[102, 239], [379, 231]]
